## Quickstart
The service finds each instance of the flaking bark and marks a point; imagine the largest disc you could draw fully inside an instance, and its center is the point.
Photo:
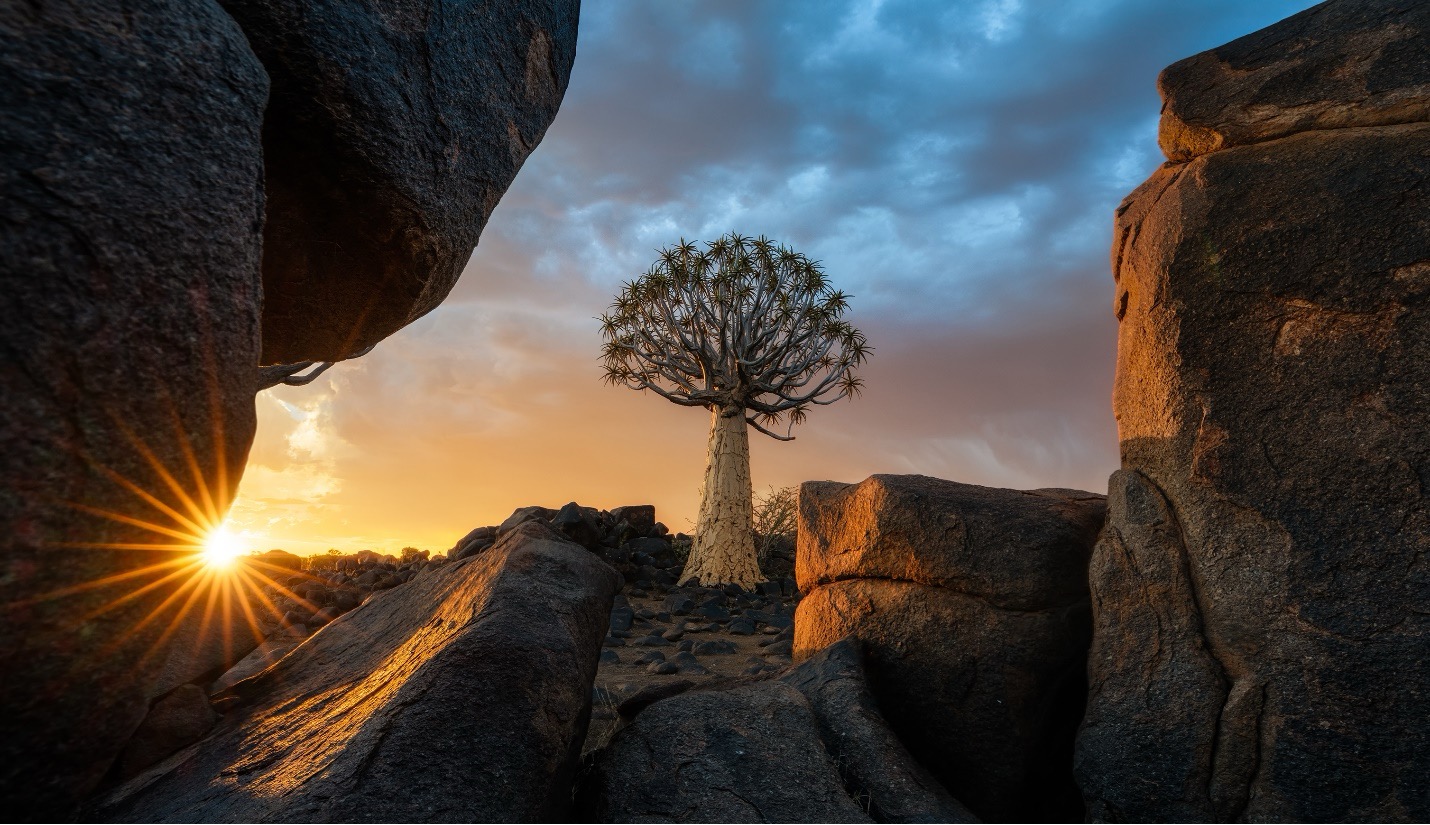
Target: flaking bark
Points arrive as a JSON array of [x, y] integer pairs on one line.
[[724, 548]]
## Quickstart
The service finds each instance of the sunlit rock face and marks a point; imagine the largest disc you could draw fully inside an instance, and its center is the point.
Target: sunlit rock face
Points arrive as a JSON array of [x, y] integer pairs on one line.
[[1262, 590], [1340, 65], [130, 213], [972, 603], [392, 131], [462, 696]]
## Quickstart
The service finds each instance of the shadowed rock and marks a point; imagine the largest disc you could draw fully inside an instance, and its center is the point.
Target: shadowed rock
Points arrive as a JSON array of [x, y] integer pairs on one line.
[[174, 722], [200, 651], [877, 770], [473, 542], [650, 694], [1149, 650], [130, 213], [749, 753], [972, 605], [523, 515], [258, 660], [393, 130], [641, 517], [461, 696], [746, 750], [1263, 586], [578, 524], [1337, 65]]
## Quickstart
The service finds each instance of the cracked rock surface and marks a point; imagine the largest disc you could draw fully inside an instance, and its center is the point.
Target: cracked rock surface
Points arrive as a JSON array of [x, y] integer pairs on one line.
[[1262, 590], [750, 753], [805, 744], [1334, 66]]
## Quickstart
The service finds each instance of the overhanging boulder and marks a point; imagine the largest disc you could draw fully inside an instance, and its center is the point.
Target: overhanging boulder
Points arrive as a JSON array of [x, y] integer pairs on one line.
[[131, 209], [393, 129]]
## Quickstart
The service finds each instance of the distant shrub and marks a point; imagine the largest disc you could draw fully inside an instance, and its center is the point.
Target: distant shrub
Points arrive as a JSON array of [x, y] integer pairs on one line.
[[680, 547], [776, 518]]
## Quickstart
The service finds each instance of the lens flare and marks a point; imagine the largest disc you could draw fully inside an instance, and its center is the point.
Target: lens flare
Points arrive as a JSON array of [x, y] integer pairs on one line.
[[221, 548], [183, 563]]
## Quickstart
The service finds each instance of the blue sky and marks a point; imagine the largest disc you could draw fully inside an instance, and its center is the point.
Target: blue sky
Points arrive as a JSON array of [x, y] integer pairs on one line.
[[954, 165]]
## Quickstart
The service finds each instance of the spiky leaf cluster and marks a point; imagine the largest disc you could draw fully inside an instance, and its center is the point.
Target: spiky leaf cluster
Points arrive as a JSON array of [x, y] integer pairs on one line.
[[742, 324]]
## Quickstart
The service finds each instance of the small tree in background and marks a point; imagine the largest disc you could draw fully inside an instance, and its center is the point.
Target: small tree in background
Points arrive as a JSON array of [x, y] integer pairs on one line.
[[752, 331]]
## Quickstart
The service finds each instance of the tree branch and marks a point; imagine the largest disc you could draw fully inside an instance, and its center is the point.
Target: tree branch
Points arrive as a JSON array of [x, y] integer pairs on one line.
[[288, 374], [776, 436]]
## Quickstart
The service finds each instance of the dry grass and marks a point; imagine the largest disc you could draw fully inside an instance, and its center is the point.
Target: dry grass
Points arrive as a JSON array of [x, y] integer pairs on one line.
[[604, 722]]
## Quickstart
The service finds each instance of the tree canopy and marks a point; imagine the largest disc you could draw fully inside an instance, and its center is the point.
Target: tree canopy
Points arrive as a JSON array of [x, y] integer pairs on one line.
[[743, 323]]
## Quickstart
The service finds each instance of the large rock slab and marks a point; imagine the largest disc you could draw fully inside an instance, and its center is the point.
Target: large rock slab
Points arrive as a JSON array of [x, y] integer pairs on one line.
[[972, 605], [1262, 590], [130, 216], [463, 695], [393, 130], [749, 753], [1336, 65]]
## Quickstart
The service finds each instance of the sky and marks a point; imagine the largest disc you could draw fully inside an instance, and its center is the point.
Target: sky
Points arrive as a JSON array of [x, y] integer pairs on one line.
[[953, 165]]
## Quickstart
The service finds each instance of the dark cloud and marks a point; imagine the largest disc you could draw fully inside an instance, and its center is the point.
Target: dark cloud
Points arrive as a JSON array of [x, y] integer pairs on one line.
[[954, 165]]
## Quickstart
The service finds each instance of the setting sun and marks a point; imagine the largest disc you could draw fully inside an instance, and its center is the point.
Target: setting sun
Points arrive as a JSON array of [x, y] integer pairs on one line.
[[221, 548]]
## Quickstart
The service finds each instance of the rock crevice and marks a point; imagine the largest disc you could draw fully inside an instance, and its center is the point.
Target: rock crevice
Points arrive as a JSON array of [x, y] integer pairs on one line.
[[973, 605]]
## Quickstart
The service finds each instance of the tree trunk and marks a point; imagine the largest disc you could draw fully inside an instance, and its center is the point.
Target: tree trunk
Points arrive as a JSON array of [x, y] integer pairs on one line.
[[724, 549]]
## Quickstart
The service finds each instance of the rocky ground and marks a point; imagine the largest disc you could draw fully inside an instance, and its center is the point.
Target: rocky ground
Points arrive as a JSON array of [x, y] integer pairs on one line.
[[665, 639], [661, 637]]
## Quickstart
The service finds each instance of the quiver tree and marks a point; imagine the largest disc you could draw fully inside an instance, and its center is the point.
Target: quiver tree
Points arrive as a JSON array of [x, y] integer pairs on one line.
[[752, 331]]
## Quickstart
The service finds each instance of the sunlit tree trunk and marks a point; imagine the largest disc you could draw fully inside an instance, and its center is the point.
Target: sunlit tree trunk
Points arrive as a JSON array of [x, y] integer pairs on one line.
[[724, 549]]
